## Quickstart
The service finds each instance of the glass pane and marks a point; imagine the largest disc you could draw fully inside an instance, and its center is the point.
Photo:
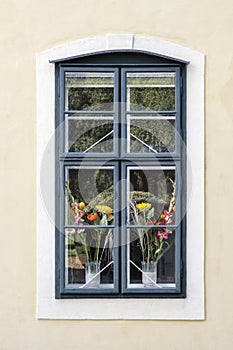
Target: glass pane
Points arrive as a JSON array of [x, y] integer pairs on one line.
[[90, 135], [151, 135], [151, 196], [89, 196], [151, 91], [89, 257], [93, 91], [151, 258]]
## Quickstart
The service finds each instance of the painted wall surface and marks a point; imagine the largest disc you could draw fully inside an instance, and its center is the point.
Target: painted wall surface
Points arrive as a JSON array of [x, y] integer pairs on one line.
[[28, 27]]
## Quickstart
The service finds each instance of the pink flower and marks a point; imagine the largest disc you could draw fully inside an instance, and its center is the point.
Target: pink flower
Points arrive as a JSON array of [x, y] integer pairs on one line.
[[163, 222], [78, 222], [77, 218], [74, 205], [80, 230], [162, 234]]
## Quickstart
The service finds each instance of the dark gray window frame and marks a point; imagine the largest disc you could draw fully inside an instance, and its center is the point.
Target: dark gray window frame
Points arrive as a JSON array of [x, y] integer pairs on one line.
[[114, 62]]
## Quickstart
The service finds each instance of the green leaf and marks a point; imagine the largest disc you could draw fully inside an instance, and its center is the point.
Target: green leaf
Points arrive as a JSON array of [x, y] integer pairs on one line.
[[97, 221]]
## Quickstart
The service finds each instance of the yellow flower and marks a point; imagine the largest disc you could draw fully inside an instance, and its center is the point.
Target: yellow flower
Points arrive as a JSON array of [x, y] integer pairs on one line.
[[143, 206], [81, 205], [104, 209]]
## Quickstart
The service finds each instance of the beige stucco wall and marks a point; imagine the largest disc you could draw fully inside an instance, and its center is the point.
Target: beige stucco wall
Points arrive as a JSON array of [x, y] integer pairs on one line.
[[28, 27]]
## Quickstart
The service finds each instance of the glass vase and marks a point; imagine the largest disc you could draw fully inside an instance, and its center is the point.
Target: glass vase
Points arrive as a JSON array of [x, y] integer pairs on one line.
[[149, 274], [92, 274]]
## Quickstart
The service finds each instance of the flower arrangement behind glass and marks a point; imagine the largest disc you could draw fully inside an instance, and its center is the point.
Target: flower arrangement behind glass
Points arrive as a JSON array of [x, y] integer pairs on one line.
[[93, 243], [153, 241]]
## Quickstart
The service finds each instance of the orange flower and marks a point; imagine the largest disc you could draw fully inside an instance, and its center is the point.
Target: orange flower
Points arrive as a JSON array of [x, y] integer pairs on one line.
[[162, 216], [165, 211], [92, 216]]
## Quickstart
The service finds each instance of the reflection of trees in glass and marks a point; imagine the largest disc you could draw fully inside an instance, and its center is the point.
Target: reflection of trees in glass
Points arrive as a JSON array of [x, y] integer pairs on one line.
[[148, 98], [159, 135], [84, 133], [152, 186], [91, 99], [86, 184]]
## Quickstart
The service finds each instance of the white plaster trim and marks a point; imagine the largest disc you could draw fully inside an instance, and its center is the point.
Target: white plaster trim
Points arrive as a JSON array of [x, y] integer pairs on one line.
[[190, 308]]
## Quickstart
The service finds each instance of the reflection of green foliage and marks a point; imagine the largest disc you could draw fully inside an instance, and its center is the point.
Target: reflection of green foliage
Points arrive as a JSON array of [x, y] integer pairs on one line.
[[84, 133], [91, 99], [98, 188], [148, 98], [149, 80], [140, 196], [92, 181], [103, 198], [157, 134]]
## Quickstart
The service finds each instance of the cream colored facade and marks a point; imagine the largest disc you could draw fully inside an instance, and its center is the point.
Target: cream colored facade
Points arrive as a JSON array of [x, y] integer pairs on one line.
[[29, 27]]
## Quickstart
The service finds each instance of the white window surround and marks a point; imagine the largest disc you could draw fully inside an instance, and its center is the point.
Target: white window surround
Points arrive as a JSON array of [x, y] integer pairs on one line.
[[190, 308]]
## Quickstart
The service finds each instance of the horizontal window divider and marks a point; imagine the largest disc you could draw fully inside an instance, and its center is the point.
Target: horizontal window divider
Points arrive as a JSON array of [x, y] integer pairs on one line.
[[151, 291], [150, 156], [89, 291], [89, 112], [91, 118], [92, 294], [149, 86], [168, 164], [83, 156], [88, 226], [138, 117], [151, 112], [164, 294], [151, 226], [89, 86], [124, 157]]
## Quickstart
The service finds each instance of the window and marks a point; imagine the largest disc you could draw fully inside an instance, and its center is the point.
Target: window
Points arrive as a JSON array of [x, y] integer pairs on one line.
[[121, 165], [191, 307]]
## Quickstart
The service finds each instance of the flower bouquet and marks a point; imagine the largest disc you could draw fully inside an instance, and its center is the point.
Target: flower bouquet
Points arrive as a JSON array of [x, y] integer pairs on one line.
[[97, 243], [153, 242]]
